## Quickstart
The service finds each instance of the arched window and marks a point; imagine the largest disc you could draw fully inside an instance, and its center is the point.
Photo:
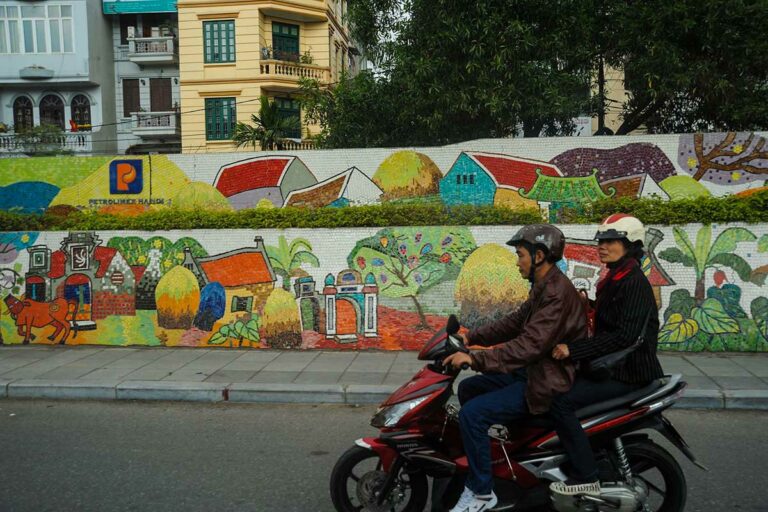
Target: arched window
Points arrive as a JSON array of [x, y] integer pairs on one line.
[[22, 114], [52, 111], [81, 110]]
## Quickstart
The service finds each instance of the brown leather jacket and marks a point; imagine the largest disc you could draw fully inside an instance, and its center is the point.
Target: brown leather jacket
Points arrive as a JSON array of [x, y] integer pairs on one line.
[[554, 313]]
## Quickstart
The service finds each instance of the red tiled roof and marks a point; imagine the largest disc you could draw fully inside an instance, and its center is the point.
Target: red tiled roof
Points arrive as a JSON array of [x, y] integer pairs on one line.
[[258, 172], [103, 255], [587, 253], [515, 173], [138, 271], [237, 269]]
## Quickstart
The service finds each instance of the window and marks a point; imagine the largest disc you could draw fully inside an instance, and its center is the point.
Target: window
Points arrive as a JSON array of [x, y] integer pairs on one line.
[[130, 96], [160, 95], [242, 303], [36, 29], [219, 41], [22, 114], [220, 116], [52, 111], [126, 20], [285, 42], [81, 110], [290, 108]]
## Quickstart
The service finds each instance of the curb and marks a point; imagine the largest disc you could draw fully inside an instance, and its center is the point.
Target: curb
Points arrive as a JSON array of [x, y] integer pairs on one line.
[[277, 393]]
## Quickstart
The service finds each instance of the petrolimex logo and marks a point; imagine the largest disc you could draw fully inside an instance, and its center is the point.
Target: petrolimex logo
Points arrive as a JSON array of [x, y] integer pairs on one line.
[[126, 177]]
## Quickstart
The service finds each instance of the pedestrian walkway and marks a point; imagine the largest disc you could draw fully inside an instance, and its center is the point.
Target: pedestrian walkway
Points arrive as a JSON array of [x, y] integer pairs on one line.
[[738, 381]]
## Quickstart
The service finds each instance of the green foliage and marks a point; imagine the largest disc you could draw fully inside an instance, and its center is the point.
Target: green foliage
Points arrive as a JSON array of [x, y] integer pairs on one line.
[[712, 318], [399, 214], [136, 250], [43, 140], [681, 303], [269, 127], [286, 258], [239, 331], [677, 329], [759, 309], [729, 295]]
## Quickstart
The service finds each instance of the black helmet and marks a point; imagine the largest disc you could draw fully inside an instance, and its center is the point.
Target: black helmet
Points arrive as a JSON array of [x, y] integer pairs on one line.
[[541, 236]]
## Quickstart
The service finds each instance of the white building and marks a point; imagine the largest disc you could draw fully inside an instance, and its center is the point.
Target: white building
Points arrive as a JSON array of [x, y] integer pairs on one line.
[[55, 69], [146, 74]]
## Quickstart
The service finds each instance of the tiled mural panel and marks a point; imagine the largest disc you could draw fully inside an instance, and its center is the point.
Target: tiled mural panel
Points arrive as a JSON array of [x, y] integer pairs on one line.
[[549, 172], [354, 289]]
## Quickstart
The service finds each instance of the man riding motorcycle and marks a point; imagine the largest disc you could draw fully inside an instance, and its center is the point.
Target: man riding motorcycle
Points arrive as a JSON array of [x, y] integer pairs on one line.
[[520, 376]]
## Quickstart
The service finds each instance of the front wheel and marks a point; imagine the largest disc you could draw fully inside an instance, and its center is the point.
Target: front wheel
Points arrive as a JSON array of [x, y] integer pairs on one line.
[[658, 470], [357, 477]]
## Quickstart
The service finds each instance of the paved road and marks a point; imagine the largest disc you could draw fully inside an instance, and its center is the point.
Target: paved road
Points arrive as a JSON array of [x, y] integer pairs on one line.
[[128, 456]]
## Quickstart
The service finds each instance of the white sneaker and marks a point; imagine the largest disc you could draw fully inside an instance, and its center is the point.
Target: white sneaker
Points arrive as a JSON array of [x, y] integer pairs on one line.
[[471, 502], [592, 488]]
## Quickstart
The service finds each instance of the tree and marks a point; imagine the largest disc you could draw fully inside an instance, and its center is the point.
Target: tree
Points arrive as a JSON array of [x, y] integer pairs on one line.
[[287, 258], [177, 297], [475, 69], [691, 65], [489, 285], [408, 261], [270, 128], [703, 256], [281, 324]]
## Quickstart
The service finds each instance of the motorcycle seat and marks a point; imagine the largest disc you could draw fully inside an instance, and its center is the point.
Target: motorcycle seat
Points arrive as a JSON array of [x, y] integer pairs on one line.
[[545, 421]]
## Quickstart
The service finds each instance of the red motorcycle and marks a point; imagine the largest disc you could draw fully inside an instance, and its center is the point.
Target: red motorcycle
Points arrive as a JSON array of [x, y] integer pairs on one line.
[[420, 439]]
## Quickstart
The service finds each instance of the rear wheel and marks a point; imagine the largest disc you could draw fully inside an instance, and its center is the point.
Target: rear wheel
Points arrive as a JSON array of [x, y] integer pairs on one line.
[[358, 476], [658, 470]]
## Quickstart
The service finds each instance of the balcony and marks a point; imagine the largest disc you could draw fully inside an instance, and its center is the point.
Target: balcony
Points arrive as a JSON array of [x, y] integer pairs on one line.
[[292, 71], [78, 142], [152, 50], [155, 124]]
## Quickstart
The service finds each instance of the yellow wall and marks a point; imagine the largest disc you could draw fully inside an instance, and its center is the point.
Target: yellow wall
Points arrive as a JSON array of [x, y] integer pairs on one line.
[[243, 79], [616, 96]]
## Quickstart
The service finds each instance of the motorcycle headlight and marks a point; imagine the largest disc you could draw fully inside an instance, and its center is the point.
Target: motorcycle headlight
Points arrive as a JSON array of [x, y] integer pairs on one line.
[[389, 416]]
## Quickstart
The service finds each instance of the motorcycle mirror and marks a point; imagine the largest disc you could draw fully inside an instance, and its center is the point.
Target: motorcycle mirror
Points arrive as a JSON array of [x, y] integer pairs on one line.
[[453, 325]]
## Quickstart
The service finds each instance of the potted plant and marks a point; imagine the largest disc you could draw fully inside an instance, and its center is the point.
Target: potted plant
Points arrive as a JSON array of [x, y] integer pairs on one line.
[[306, 57]]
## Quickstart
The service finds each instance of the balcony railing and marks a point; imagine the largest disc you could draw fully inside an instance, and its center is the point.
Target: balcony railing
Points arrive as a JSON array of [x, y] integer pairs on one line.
[[148, 50], [79, 142], [153, 124], [294, 70], [294, 145]]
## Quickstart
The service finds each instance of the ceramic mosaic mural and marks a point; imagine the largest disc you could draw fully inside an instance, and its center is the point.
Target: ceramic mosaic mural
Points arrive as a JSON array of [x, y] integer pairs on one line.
[[551, 173], [361, 288]]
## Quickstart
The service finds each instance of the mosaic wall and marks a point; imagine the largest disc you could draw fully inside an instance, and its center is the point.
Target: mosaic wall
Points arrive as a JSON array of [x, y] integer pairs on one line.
[[361, 288], [551, 173]]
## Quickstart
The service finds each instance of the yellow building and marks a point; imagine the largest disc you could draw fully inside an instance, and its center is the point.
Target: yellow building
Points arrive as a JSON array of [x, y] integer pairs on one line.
[[233, 51]]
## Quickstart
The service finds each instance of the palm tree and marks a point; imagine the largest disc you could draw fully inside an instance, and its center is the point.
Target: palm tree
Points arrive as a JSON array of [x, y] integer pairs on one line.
[[287, 259], [703, 256], [269, 128]]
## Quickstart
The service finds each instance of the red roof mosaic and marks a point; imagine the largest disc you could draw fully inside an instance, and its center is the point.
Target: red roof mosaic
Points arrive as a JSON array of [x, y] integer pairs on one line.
[[514, 173], [251, 174], [587, 253], [238, 269]]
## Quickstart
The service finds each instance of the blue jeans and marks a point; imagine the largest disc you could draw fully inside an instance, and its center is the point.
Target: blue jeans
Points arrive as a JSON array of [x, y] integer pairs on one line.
[[488, 400]]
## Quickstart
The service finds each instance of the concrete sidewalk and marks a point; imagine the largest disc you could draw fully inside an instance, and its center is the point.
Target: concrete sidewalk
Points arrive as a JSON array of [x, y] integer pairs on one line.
[[731, 381]]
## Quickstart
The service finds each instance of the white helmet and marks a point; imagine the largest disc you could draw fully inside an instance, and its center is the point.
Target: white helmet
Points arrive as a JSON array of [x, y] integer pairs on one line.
[[621, 225]]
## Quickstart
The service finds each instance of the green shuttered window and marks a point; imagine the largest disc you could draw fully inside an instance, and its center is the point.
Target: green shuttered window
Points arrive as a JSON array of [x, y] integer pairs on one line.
[[220, 116], [219, 41], [285, 41], [290, 108]]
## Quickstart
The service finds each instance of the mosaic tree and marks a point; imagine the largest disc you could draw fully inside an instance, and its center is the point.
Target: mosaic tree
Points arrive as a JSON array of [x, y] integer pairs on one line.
[[724, 158], [136, 250], [407, 174], [287, 259], [281, 325], [408, 261], [705, 254], [177, 297], [489, 285]]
